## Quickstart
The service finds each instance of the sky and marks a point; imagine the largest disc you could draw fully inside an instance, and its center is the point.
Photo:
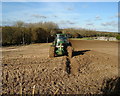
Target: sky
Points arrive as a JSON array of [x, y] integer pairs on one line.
[[60, 0], [100, 16]]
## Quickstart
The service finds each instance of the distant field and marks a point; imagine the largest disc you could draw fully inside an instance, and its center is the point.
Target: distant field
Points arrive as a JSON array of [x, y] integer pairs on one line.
[[81, 38]]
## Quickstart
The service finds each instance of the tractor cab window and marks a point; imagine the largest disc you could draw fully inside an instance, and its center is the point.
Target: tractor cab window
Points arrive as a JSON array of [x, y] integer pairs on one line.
[[60, 36]]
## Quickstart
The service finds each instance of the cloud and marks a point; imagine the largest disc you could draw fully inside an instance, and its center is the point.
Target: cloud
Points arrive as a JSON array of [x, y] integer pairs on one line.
[[55, 16], [67, 22], [69, 9], [90, 24], [115, 16], [39, 16], [88, 20], [118, 15], [94, 18], [111, 23], [98, 18], [62, 22]]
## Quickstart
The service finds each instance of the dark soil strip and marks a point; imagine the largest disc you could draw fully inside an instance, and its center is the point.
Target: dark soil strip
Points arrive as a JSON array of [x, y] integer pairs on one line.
[[111, 87], [68, 65]]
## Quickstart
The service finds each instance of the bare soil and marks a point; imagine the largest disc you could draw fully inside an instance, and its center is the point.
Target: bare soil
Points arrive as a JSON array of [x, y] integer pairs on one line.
[[93, 64]]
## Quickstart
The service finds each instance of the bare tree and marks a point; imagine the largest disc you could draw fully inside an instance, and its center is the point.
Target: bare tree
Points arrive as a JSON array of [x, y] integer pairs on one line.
[[20, 24]]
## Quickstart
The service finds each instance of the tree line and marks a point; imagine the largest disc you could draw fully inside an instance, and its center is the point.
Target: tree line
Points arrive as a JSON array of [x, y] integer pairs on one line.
[[80, 33], [22, 33], [42, 32]]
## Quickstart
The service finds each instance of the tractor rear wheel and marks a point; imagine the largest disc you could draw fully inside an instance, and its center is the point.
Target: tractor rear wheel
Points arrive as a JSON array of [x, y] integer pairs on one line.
[[52, 51], [69, 51]]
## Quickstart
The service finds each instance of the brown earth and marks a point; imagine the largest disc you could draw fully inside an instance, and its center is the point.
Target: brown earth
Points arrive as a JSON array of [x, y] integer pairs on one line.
[[93, 64]]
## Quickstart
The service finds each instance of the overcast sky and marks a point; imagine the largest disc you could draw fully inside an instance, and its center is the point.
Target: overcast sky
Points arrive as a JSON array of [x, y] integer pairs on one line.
[[101, 16]]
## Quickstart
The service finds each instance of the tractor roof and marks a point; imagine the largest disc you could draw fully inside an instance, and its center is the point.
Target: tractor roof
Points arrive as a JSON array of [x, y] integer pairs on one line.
[[61, 34]]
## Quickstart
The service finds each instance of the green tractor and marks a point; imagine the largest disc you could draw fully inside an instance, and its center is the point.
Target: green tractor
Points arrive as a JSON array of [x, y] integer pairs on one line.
[[61, 46]]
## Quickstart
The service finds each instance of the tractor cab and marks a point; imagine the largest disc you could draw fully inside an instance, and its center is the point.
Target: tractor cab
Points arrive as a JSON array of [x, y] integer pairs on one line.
[[61, 39], [60, 45]]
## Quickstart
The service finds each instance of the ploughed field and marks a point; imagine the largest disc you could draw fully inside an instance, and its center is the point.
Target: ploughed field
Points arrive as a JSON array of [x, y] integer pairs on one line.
[[93, 69]]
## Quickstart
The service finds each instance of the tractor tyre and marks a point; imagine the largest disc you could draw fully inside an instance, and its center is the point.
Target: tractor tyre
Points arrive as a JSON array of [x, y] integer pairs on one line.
[[69, 51], [52, 51]]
